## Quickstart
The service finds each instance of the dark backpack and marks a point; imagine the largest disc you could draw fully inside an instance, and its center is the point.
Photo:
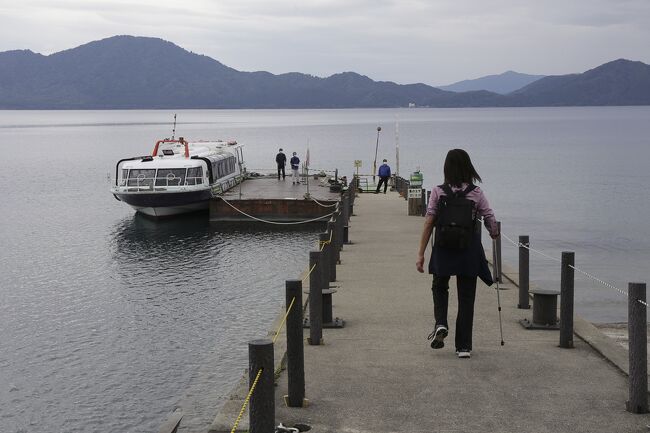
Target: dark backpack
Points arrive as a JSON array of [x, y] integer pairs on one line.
[[455, 223]]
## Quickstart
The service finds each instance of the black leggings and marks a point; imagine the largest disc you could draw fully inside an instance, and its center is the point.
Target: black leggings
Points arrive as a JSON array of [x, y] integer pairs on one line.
[[466, 287]]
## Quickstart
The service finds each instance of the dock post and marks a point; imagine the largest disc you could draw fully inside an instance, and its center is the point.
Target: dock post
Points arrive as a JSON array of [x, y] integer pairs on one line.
[[566, 299], [424, 202], [295, 350], [333, 250], [524, 279], [315, 299], [325, 266], [340, 224], [262, 402], [346, 217], [498, 244], [638, 358]]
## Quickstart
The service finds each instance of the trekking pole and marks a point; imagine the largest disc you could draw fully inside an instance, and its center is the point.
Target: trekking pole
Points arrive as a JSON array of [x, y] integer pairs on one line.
[[498, 273]]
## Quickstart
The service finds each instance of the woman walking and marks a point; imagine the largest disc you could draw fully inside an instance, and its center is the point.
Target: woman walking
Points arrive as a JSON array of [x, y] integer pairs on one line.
[[453, 209]]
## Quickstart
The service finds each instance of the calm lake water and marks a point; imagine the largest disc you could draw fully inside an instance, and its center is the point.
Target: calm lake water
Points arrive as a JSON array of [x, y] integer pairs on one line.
[[109, 320]]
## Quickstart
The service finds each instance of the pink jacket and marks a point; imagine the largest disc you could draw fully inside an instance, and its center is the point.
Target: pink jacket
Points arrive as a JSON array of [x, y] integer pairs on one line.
[[476, 195]]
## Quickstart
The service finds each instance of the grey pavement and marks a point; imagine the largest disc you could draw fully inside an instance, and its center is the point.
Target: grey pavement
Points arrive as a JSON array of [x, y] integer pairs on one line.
[[379, 374]]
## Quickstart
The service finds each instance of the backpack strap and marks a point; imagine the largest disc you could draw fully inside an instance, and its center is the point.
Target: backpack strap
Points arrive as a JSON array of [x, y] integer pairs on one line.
[[446, 189], [469, 189], [450, 193]]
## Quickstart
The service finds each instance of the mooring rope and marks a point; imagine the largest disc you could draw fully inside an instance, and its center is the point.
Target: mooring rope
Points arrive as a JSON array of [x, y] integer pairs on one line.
[[275, 222], [321, 204]]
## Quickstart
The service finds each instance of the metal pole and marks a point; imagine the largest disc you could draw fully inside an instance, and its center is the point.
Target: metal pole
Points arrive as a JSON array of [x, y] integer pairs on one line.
[[262, 402], [523, 273], [638, 358], [566, 300], [315, 298], [295, 350], [346, 216], [498, 249], [374, 164], [396, 145]]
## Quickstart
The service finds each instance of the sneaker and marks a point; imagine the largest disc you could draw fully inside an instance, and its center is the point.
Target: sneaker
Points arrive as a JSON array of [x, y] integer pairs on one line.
[[464, 353], [438, 337]]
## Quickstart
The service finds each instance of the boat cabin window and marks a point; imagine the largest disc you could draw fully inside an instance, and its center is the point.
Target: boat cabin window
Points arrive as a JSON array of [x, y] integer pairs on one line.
[[170, 177], [194, 176], [141, 177], [224, 167], [168, 152]]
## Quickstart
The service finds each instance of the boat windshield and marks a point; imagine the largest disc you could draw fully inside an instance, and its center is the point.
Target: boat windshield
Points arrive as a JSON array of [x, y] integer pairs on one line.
[[170, 177], [141, 177], [194, 176]]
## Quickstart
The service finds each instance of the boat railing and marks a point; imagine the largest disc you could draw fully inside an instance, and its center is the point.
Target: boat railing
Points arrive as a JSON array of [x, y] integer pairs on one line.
[[141, 182]]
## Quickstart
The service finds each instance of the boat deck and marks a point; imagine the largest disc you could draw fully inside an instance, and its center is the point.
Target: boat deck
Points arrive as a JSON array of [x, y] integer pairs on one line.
[[270, 199]]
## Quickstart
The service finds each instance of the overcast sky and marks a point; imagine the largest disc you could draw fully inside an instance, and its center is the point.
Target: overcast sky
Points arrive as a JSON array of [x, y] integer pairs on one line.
[[407, 41]]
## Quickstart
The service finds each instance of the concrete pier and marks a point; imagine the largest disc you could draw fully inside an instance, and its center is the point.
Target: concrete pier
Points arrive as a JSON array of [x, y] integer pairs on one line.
[[379, 374]]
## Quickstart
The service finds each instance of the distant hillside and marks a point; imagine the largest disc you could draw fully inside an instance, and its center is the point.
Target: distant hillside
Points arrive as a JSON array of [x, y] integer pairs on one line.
[[126, 72], [621, 82], [503, 83]]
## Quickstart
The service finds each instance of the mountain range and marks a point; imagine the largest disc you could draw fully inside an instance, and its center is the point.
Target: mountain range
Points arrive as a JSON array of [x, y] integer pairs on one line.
[[127, 72], [503, 84]]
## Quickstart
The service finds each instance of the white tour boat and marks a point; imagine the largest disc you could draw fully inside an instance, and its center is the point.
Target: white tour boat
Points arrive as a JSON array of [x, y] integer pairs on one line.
[[179, 176]]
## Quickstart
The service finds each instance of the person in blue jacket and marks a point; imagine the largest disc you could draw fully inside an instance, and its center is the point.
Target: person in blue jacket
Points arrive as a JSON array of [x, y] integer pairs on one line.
[[384, 175]]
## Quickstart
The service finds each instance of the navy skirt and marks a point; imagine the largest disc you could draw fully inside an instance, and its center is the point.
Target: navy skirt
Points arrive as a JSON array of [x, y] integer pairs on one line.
[[470, 262]]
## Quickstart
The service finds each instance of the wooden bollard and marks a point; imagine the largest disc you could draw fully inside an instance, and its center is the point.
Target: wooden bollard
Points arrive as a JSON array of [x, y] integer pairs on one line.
[[315, 299], [295, 350], [567, 277], [325, 266], [262, 401], [524, 279], [333, 253], [637, 329]]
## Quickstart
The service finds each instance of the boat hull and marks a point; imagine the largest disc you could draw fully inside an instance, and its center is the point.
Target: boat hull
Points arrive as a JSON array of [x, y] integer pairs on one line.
[[168, 203]]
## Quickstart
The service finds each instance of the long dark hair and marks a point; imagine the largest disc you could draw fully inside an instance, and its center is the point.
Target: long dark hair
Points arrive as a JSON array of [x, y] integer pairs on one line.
[[459, 168]]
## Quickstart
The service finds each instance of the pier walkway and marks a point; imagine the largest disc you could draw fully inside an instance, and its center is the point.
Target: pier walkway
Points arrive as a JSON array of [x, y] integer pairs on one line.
[[379, 374]]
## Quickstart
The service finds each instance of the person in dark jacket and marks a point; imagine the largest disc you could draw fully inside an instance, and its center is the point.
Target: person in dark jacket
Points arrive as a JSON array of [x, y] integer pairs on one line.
[[281, 160], [466, 264], [384, 175]]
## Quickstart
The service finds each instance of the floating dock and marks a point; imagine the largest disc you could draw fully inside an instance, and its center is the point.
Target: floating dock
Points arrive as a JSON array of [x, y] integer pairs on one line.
[[270, 199]]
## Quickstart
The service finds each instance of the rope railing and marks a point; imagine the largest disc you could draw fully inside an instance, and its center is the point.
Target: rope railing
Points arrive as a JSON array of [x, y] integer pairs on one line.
[[319, 273], [284, 319], [586, 274], [246, 400]]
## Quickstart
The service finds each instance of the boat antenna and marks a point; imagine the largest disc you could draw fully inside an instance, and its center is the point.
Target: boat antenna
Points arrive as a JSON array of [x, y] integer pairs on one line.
[[374, 164], [174, 128]]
